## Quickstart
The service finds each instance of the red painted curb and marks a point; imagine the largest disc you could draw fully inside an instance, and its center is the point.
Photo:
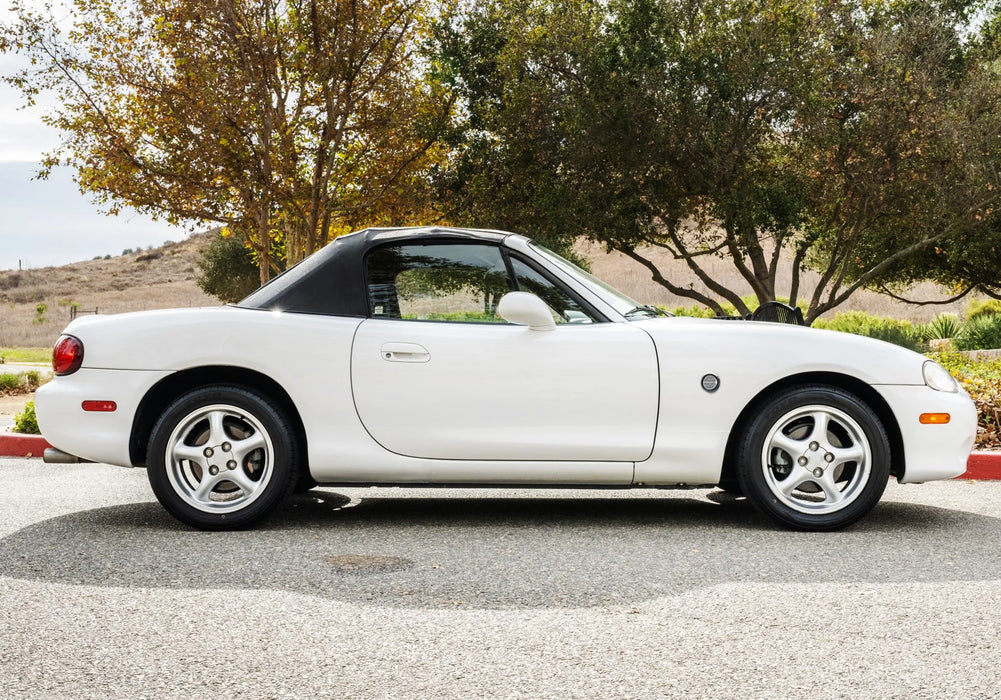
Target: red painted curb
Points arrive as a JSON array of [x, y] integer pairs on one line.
[[12, 445], [983, 466]]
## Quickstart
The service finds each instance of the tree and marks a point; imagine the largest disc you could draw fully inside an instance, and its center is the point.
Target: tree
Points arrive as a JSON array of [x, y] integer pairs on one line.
[[284, 120], [852, 138]]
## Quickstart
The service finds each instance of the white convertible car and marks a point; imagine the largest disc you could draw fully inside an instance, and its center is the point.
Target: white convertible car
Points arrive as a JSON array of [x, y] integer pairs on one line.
[[477, 358]]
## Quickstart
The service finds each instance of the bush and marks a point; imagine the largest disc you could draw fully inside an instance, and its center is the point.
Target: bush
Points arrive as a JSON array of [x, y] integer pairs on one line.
[[21, 383], [983, 307], [26, 422], [982, 381], [10, 383], [901, 333], [227, 269], [981, 333]]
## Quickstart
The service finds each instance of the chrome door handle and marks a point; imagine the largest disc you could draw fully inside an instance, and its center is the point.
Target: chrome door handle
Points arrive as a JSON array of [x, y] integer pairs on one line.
[[404, 352]]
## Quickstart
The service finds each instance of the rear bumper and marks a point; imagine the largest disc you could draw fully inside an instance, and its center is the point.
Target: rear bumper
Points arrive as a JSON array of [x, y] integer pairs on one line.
[[932, 452], [93, 436]]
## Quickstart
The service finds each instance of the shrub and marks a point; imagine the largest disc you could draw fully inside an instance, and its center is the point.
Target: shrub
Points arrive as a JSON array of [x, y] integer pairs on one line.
[[891, 330], [226, 269], [10, 383], [982, 381], [983, 307], [981, 333], [19, 383], [941, 327], [25, 421]]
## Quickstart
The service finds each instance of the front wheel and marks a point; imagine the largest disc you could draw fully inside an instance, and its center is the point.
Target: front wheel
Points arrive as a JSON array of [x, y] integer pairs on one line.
[[814, 458], [222, 458]]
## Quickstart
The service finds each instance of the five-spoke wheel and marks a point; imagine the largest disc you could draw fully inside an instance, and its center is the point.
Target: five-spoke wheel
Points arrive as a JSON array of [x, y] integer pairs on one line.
[[222, 458], [815, 458]]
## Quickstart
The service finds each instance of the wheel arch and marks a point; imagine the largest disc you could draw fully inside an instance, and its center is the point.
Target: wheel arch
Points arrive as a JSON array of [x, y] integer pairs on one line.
[[161, 394], [728, 473]]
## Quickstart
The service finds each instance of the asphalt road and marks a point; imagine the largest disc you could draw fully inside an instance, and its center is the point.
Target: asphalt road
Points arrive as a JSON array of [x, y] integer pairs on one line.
[[374, 593]]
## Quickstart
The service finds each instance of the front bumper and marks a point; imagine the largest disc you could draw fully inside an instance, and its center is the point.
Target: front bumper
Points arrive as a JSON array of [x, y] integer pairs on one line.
[[932, 451]]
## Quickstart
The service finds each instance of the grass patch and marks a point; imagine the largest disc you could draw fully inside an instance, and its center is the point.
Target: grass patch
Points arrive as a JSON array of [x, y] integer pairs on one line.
[[26, 354], [982, 380]]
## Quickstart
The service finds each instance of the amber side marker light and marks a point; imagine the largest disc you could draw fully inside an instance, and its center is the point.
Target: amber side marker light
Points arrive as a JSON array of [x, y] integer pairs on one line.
[[934, 418], [100, 406]]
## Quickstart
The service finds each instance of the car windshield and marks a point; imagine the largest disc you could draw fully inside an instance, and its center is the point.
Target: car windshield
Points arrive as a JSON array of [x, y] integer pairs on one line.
[[619, 301]]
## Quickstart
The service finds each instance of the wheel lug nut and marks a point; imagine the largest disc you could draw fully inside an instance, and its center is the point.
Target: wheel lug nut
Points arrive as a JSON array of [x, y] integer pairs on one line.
[[828, 457], [231, 464], [226, 447], [814, 446], [818, 472], [208, 452], [802, 461], [213, 470]]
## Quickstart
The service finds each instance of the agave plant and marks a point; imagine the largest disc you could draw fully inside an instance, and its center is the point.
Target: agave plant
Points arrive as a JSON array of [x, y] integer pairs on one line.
[[941, 327]]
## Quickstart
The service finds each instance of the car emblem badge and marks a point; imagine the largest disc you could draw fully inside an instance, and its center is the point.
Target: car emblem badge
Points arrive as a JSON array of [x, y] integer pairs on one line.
[[710, 383]]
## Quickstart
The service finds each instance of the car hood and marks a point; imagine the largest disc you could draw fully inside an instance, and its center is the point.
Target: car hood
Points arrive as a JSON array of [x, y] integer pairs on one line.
[[780, 349]]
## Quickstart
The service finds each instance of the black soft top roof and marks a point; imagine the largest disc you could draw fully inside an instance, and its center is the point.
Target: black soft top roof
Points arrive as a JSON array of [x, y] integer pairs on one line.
[[332, 280]]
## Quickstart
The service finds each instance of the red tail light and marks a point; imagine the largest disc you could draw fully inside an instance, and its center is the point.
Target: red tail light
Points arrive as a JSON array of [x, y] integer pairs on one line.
[[67, 356]]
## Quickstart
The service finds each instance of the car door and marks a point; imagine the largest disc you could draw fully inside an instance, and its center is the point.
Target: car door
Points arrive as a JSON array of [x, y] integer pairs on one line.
[[436, 374]]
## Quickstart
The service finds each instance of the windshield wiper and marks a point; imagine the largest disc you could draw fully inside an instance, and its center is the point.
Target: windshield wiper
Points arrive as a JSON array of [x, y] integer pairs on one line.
[[647, 311]]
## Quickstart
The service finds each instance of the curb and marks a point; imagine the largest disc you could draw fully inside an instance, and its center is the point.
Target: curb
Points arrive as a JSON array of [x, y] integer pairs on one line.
[[22, 445], [982, 466]]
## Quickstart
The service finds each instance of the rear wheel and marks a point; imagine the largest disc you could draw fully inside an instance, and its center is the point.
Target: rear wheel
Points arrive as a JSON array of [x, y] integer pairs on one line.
[[222, 458], [814, 458]]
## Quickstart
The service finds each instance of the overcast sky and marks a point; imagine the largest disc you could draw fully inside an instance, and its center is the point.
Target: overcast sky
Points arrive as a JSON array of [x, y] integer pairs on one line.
[[49, 222]]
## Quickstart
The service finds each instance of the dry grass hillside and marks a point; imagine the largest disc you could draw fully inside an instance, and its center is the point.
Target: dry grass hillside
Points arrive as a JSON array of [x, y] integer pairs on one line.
[[165, 277], [159, 278]]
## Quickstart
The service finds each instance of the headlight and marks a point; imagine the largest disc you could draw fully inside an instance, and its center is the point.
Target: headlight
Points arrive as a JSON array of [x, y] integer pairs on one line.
[[938, 377]]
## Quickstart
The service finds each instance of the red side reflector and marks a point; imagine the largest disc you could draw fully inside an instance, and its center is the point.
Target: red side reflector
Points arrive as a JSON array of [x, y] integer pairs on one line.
[[934, 418], [100, 406]]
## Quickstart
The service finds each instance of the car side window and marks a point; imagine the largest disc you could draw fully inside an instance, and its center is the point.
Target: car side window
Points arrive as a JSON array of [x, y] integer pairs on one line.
[[565, 309], [437, 282]]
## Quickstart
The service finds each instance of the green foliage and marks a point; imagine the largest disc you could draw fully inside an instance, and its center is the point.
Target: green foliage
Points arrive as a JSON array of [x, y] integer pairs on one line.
[[891, 330], [727, 128], [980, 333], [40, 309], [982, 307], [982, 381], [941, 327], [226, 269], [25, 421], [695, 311]]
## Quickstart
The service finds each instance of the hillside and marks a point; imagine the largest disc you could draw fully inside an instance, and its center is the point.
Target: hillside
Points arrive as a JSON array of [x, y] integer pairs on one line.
[[158, 278], [164, 277]]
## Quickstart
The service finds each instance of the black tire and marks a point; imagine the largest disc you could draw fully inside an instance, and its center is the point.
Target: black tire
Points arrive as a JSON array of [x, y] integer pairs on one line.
[[814, 458], [213, 433]]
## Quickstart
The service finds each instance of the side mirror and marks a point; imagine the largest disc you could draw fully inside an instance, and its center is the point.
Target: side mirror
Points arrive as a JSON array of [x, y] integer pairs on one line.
[[526, 309]]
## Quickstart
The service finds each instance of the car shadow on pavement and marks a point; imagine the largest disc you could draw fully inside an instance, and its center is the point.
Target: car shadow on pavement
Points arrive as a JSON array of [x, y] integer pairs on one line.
[[499, 552]]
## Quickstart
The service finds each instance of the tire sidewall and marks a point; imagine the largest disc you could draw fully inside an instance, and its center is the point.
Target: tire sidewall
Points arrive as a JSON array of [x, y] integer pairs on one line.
[[751, 476], [284, 462]]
